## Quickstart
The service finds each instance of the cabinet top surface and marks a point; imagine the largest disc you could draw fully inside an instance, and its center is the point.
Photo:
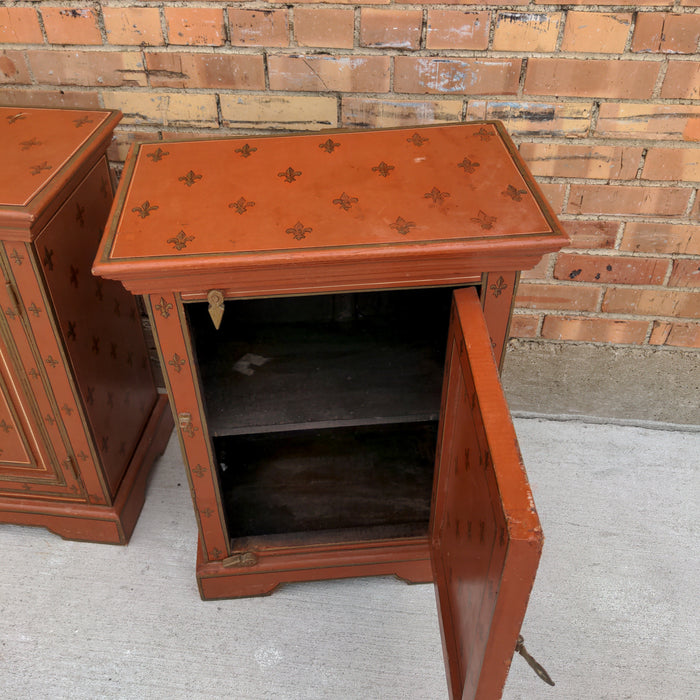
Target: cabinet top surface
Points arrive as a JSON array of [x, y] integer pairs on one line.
[[37, 145], [333, 191]]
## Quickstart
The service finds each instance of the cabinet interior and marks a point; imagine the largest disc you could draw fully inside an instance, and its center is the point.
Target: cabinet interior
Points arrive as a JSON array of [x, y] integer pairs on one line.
[[323, 412]]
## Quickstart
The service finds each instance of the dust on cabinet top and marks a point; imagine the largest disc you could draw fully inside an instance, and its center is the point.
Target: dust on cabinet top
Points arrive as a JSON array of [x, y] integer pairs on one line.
[[183, 205], [42, 149]]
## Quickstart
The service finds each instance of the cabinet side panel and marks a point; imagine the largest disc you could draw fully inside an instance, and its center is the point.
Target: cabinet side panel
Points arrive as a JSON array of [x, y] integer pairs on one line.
[[100, 326]]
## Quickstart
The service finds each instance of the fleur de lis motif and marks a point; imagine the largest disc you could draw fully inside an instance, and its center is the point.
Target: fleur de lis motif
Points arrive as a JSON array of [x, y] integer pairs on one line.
[[383, 169], [12, 118], [207, 512], [468, 165], [82, 121], [177, 363], [36, 169], [158, 154], [180, 241], [80, 214], [74, 276], [5, 426], [164, 307], [290, 175], [241, 205], [484, 134], [16, 256], [190, 178], [95, 345], [51, 361], [345, 201], [484, 220], [499, 287], [514, 193], [71, 330], [35, 310], [26, 145], [417, 140], [246, 151], [48, 258], [145, 209], [402, 226], [329, 146], [199, 470], [299, 231], [436, 195]]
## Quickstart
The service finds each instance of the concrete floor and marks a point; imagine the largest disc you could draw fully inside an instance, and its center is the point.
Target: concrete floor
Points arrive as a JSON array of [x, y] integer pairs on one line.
[[613, 613]]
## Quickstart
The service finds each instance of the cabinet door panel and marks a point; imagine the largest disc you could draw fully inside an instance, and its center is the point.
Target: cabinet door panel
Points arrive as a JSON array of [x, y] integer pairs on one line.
[[485, 534], [33, 459]]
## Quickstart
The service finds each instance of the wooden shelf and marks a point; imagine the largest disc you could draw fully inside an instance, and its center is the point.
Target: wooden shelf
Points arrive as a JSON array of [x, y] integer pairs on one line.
[[275, 377]]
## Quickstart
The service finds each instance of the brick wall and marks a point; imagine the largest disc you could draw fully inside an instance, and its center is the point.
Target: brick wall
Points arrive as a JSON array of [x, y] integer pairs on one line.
[[602, 98]]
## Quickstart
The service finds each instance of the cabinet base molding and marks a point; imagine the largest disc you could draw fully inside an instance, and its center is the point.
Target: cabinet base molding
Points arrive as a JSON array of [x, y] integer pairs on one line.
[[99, 523], [408, 560]]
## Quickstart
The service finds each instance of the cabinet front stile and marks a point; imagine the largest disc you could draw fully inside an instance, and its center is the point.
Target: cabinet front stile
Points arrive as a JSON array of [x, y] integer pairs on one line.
[[181, 377]]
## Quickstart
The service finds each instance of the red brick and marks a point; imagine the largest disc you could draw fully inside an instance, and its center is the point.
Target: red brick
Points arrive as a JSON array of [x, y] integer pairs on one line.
[[20, 25], [334, 73], [88, 67], [454, 29], [13, 70], [524, 326], [554, 193], [133, 26], [71, 25], [470, 76], [665, 32], [602, 3], [610, 269], [259, 27], [334, 2], [685, 273], [558, 297], [566, 119], [627, 200], [399, 29], [564, 160], [586, 235], [596, 32], [647, 121], [540, 271], [366, 112], [324, 27], [661, 238], [591, 78], [684, 335], [205, 70], [652, 302], [195, 26], [526, 31], [21, 97], [682, 80], [594, 330], [672, 164], [695, 212]]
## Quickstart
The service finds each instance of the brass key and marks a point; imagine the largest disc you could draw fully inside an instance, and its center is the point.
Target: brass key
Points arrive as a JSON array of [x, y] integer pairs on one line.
[[537, 668]]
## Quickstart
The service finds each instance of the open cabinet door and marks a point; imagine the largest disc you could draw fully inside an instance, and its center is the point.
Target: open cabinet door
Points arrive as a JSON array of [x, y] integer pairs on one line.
[[485, 534]]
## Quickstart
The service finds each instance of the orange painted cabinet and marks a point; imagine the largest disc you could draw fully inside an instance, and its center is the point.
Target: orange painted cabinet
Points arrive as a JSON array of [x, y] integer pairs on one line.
[[330, 312], [81, 421]]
